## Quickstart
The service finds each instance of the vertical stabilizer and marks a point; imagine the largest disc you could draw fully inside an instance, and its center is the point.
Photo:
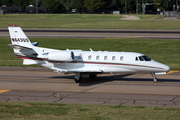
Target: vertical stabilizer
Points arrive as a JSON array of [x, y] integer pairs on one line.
[[18, 37], [20, 43]]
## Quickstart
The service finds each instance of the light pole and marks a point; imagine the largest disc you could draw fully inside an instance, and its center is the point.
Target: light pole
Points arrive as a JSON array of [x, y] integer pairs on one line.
[[136, 6], [142, 6], [177, 5], [125, 6], [36, 6]]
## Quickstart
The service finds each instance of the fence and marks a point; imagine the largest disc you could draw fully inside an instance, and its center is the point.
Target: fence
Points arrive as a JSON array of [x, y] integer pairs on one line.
[[171, 14]]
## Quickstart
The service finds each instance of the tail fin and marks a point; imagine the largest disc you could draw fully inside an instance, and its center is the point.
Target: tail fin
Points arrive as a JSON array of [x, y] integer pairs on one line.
[[20, 43], [18, 37]]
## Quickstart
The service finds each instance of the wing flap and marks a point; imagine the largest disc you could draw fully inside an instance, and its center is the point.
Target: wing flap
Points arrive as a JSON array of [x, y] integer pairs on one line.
[[29, 62]]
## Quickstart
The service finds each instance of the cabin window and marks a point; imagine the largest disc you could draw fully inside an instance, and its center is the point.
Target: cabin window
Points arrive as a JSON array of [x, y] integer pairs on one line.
[[105, 57], [97, 57], [136, 59], [90, 57], [121, 58], [113, 58]]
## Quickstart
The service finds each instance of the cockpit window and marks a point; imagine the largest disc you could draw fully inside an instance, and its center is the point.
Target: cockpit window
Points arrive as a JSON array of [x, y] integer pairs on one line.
[[140, 58], [146, 58]]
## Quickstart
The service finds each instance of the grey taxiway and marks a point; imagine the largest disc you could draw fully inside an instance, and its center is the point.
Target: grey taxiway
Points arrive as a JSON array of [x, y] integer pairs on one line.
[[97, 33], [42, 85]]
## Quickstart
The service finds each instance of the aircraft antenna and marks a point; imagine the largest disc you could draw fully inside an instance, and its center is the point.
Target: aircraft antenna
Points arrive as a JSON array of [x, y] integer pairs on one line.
[[91, 50]]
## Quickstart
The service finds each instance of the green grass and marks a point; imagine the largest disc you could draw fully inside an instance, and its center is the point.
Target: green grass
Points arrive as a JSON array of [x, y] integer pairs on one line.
[[150, 16], [165, 51], [57, 111], [61, 16], [86, 21]]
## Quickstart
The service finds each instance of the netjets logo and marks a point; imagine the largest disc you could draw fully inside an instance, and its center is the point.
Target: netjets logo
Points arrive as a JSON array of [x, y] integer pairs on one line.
[[19, 39]]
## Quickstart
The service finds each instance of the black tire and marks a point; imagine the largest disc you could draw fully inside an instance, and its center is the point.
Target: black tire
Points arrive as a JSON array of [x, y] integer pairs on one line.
[[155, 80], [77, 81], [92, 76]]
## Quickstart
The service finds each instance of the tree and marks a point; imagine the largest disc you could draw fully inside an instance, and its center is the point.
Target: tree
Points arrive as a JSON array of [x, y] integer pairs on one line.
[[21, 3], [93, 5], [6, 2], [68, 5], [131, 5], [33, 2], [116, 3], [54, 6], [78, 5]]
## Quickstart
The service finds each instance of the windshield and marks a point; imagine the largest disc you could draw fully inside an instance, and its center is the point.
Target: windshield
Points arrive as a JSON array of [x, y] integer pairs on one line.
[[146, 58]]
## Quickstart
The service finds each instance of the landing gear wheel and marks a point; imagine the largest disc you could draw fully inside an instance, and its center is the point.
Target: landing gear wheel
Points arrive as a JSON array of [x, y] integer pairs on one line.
[[155, 80], [154, 77], [92, 76], [77, 78], [77, 81]]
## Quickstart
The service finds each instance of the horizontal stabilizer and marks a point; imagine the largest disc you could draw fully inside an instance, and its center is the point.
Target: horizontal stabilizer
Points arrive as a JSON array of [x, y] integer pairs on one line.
[[25, 50], [19, 47]]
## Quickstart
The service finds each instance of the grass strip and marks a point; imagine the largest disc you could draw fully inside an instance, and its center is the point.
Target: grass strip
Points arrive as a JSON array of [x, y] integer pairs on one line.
[[14, 110], [165, 51], [87, 21]]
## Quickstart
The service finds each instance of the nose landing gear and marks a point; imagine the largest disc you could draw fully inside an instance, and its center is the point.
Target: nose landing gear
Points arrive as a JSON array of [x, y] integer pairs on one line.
[[154, 77]]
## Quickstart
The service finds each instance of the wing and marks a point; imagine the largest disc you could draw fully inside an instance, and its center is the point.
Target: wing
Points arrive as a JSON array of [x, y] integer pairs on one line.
[[77, 71]]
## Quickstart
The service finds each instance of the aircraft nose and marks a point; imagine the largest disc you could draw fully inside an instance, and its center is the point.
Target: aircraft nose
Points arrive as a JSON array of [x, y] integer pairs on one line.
[[166, 68]]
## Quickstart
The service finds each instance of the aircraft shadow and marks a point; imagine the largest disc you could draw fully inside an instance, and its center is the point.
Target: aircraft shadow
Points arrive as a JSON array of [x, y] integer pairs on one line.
[[86, 81], [65, 77], [98, 80]]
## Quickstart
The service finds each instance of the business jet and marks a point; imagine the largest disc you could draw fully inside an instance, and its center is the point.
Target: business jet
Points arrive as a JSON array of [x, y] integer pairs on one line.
[[82, 62]]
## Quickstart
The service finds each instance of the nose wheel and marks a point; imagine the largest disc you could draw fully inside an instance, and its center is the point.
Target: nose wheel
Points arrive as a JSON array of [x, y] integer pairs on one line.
[[154, 77], [155, 80]]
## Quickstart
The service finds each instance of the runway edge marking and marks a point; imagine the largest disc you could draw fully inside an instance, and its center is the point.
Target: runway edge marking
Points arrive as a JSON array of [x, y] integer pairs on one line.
[[123, 37], [2, 91]]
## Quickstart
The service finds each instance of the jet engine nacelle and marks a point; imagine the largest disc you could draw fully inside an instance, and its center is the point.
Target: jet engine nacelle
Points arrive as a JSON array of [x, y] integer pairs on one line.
[[63, 56]]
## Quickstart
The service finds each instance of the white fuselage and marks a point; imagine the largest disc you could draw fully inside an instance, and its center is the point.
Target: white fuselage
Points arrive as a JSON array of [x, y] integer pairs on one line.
[[102, 62]]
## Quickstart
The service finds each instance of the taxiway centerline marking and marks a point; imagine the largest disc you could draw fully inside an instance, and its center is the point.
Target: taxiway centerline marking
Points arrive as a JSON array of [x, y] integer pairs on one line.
[[172, 71]]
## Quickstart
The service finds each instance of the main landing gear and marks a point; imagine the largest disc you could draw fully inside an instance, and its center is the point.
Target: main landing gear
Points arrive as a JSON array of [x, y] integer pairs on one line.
[[92, 76], [154, 77], [78, 77]]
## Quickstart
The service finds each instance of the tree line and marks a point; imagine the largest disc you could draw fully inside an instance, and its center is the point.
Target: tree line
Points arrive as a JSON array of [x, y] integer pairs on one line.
[[92, 6]]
